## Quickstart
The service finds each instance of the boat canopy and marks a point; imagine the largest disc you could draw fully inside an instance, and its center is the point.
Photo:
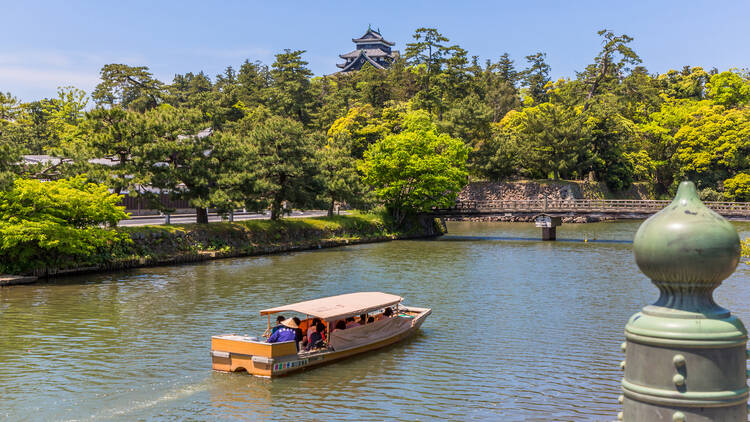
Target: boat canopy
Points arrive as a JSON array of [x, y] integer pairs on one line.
[[341, 306]]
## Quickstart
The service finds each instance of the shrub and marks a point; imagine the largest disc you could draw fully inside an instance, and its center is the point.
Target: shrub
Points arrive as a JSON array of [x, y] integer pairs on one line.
[[738, 187], [56, 224]]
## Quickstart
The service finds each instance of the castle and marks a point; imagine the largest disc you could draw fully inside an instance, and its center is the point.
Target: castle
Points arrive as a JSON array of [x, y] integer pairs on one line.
[[371, 48]]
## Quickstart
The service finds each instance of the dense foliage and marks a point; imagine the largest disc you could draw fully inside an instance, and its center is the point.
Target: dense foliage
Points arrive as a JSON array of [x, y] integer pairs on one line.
[[50, 224], [276, 136], [416, 169]]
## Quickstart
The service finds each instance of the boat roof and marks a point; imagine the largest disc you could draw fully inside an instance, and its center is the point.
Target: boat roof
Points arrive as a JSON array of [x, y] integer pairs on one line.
[[341, 306]]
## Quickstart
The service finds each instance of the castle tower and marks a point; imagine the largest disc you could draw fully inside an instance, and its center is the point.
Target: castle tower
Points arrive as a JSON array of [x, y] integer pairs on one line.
[[371, 48]]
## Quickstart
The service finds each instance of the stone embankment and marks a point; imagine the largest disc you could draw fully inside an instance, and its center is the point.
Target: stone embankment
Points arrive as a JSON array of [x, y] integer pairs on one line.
[[176, 244], [552, 190]]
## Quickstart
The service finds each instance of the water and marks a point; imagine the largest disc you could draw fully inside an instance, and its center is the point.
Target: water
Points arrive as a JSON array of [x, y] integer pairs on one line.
[[521, 330]]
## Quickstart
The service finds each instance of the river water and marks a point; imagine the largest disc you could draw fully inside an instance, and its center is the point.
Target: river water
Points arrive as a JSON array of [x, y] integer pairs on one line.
[[521, 330]]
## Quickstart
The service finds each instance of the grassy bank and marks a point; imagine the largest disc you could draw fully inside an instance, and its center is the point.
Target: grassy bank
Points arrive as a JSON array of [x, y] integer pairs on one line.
[[163, 245]]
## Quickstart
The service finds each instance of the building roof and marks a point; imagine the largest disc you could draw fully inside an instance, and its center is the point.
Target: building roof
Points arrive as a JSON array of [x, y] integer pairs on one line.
[[371, 52], [43, 159], [200, 135], [362, 56], [372, 36], [338, 307]]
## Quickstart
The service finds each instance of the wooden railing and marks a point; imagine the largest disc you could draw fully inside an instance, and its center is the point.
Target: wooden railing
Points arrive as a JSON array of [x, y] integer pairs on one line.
[[582, 206]]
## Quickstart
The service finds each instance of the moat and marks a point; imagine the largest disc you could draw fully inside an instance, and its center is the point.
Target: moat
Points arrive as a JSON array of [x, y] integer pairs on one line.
[[521, 330]]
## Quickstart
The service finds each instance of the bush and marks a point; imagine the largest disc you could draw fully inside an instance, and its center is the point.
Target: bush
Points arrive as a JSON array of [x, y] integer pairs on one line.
[[56, 224], [738, 187], [709, 194]]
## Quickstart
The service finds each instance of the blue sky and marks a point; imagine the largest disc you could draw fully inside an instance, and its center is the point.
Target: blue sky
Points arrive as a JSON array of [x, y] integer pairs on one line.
[[49, 44]]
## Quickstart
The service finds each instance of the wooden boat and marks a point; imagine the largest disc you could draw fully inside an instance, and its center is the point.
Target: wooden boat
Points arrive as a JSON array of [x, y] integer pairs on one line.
[[232, 353]]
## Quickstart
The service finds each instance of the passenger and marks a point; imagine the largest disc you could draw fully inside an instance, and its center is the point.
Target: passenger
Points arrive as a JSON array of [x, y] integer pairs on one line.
[[305, 325], [313, 328], [285, 333], [351, 323], [317, 339], [279, 320], [299, 335], [370, 320], [341, 325], [386, 314], [363, 319]]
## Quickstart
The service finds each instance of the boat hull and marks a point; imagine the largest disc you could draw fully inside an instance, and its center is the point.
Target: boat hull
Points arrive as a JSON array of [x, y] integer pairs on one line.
[[279, 359]]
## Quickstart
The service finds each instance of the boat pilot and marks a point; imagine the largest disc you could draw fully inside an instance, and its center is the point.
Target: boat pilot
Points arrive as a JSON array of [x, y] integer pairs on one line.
[[279, 320], [287, 332]]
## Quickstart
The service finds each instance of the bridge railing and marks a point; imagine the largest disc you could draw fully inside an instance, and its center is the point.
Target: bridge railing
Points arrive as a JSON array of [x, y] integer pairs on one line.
[[583, 205]]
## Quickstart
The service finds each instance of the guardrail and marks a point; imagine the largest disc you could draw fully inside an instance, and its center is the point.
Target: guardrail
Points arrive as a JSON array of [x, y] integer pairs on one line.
[[582, 206]]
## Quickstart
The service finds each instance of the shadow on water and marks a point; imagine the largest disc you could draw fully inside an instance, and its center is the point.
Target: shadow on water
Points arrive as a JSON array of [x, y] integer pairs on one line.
[[529, 239]]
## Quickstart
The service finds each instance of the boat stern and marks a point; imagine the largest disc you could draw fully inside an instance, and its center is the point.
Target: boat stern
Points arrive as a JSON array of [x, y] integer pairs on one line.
[[234, 353]]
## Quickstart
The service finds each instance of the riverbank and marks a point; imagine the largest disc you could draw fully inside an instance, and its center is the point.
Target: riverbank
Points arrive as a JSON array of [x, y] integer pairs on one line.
[[185, 243]]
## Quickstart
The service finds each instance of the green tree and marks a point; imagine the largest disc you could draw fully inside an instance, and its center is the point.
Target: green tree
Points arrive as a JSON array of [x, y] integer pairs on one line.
[[338, 171], [505, 70], [189, 89], [427, 55], [253, 82], [372, 86], [179, 158], [714, 144], [290, 90], [361, 127], [610, 64], [552, 140], [729, 89], [688, 83], [10, 139], [608, 133], [47, 224], [536, 77], [60, 121], [497, 85], [130, 87], [737, 188], [497, 158], [416, 169], [117, 137], [285, 164]]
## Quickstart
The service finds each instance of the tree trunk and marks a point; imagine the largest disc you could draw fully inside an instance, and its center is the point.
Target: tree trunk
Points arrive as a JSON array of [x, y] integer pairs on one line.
[[201, 216], [330, 208], [276, 209]]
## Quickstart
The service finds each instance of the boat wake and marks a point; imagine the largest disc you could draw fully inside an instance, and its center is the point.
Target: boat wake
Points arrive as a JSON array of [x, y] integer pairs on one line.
[[140, 405]]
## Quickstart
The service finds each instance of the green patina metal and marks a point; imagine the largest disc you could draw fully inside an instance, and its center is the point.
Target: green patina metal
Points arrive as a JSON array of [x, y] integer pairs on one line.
[[685, 354]]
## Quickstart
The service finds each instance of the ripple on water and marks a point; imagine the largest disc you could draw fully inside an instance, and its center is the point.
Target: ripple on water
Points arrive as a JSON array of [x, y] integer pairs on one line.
[[521, 331]]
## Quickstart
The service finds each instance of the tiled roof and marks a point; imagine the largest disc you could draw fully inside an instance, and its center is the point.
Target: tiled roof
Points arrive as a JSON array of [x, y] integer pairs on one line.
[[372, 36], [371, 52]]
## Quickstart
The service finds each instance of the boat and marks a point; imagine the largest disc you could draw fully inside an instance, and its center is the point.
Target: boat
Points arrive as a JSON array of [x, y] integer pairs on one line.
[[236, 353]]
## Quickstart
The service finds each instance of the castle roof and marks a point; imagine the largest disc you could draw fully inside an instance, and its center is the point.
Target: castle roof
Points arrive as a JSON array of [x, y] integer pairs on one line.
[[370, 52], [372, 36], [351, 64]]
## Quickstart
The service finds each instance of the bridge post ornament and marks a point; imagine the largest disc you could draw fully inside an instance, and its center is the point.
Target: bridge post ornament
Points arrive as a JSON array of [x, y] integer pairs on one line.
[[685, 356]]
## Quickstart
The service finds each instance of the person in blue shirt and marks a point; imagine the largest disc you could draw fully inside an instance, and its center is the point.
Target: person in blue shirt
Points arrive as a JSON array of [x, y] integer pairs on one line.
[[279, 320], [287, 332]]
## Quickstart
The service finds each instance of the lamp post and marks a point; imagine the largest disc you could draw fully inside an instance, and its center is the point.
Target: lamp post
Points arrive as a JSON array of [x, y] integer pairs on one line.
[[685, 356]]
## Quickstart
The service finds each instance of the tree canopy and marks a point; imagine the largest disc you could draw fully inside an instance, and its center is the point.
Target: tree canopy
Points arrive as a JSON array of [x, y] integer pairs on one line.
[[265, 135]]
